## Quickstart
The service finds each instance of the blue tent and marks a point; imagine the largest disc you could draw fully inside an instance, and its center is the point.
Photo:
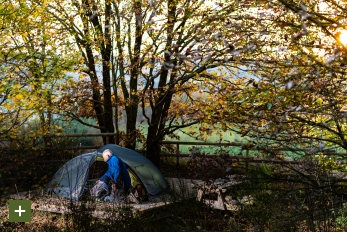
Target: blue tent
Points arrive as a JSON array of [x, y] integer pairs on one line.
[[70, 181]]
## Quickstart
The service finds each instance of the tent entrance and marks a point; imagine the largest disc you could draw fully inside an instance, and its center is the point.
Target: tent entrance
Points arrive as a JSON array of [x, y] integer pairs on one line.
[[96, 170]]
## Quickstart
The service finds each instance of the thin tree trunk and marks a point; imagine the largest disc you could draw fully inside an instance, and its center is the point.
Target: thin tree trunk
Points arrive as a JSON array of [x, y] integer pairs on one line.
[[84, 43], [102, 107], [115, 90]]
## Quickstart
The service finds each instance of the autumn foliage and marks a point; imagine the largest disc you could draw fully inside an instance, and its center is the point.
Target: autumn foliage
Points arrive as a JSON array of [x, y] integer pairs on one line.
[[270, 71]]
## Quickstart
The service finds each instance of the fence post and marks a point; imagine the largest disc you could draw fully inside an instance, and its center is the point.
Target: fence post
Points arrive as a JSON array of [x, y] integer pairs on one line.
[[177, 155], [247, 156]]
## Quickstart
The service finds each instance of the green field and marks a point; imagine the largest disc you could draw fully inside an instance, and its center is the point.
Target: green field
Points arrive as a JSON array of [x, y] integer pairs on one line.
[[217, 136], [192, 134]]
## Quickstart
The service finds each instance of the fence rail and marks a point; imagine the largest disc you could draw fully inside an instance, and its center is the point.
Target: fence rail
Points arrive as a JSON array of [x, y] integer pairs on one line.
[[178, 155], [245, 146]]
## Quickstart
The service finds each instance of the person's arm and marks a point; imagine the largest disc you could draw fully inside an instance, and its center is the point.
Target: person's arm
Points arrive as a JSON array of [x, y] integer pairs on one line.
[[106, 177]]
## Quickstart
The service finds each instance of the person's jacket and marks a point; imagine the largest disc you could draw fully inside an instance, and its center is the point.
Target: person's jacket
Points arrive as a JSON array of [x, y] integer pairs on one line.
[[116, 168]]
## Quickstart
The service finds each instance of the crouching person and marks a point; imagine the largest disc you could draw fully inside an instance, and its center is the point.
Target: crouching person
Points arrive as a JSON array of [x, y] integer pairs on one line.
[[119, 177]]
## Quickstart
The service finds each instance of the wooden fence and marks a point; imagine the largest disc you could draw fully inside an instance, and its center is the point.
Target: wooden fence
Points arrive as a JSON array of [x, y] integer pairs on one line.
[[246, 158]]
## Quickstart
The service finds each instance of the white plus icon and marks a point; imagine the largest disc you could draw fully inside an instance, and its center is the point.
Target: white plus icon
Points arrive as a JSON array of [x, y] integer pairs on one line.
[[19, 211]]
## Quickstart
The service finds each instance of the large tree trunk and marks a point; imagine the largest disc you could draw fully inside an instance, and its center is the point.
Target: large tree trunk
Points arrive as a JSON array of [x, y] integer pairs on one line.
[[160, 110], [153, 146], [131, 112], [133, 100], [106, 48], [156, 128]]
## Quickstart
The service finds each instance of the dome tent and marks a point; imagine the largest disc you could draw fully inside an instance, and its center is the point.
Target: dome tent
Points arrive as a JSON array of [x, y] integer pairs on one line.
[[70, 181]]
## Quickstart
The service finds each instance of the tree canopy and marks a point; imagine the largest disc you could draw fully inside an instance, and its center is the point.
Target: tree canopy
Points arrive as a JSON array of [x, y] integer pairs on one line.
[[272, 71], [298, 99]]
